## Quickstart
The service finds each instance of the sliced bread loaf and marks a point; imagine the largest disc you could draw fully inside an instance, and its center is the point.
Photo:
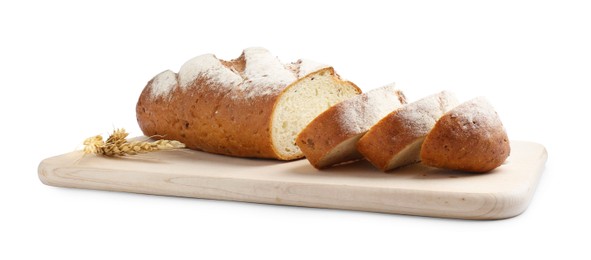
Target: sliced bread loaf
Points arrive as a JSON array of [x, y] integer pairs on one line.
[[252, 106], [396, 140], [331, 138]]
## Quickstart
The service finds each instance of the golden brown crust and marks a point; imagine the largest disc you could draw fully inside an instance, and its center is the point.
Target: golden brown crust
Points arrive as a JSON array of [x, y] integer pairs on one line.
[[321, 136], [378, 145], [328, 130], [475, 143], [336, 77], [403, 127], [209, 120], [214, 117]]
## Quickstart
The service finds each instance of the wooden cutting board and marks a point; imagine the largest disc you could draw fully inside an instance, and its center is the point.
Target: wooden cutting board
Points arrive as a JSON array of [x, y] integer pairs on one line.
[[414, 190]]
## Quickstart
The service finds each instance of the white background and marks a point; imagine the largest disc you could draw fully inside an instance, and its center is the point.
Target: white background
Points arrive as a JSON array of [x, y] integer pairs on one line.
[[70, 70]]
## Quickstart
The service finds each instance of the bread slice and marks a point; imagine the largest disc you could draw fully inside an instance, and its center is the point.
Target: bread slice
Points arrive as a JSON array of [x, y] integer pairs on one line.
[[331, 138], [396, 140], [470, 137], [253, 106]]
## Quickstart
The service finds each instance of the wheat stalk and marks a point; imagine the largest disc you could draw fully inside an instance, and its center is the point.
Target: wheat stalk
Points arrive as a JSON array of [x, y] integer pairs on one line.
[[118, 145]]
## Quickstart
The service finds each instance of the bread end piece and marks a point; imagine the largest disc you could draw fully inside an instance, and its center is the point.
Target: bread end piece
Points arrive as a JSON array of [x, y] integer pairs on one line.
[[470, 137]]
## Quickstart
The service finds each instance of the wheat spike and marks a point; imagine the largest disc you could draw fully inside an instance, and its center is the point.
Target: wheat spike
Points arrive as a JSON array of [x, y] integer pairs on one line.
[[117, 145], [94, 145], [118, 136]]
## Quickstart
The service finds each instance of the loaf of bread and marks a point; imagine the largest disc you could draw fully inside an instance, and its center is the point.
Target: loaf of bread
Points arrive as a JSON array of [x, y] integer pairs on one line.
[[331, 138], [396, 140], [470, 137], [253, 106]]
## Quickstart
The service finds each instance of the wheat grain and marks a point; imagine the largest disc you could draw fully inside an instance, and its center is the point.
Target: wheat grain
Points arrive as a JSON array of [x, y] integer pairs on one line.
[[118, 145]]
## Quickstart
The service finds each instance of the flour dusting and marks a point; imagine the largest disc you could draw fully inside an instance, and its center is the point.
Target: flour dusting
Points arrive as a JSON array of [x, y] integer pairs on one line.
[[420, 116], [361, 112], [303, 67], [210, 68], [477, 113], [163, 83], [263, 74]]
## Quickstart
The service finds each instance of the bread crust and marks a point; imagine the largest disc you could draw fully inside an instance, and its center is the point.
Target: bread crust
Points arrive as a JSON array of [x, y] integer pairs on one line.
[[378, 145], [327, 130], [469, 138], [322, 135], [210, 116], [209, 120], [403, 127]]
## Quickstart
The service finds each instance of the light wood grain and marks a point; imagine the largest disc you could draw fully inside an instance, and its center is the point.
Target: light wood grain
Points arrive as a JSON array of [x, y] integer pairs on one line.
[[414, 190]]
